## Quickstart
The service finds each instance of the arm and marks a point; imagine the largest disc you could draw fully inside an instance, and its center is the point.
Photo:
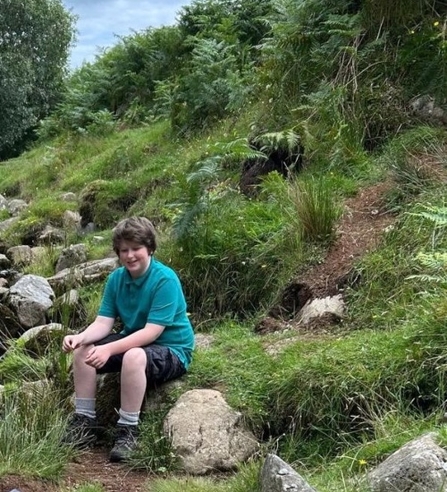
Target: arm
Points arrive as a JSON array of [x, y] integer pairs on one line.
[[139, 338], [97, 330], [99, 355]]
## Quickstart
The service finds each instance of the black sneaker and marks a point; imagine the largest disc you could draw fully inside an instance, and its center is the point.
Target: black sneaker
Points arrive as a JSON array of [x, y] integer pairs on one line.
[[125, 442], [80, 431]]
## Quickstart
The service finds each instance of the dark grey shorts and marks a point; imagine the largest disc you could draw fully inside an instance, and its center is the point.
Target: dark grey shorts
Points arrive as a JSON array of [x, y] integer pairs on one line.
[[162, 363]]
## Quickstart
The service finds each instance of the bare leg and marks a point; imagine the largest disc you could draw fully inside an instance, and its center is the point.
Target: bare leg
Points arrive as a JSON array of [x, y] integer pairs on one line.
[[133, 379], [84, 375]]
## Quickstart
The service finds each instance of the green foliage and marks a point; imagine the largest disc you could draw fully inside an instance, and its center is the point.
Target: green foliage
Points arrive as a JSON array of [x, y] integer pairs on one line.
[[416, 160], [236, 23], [43, 262], [432, 265], [211, 86], [31, 430], [336, 392], [34, 40], [120, 84], [246, 480], [220, 234], [103, 202], [154, 452], [316, 209], [18, 366], [242, 370]]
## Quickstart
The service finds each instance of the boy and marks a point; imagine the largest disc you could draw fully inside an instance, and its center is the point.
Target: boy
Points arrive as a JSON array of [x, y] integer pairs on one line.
[[154, 346]]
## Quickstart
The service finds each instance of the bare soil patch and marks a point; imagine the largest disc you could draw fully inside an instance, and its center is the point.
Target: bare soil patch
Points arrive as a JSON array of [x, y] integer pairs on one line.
[[91, 466]]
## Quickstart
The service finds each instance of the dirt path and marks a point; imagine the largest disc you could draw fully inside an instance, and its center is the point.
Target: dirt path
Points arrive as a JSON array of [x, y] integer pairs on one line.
[[361, 228], [91, 466]]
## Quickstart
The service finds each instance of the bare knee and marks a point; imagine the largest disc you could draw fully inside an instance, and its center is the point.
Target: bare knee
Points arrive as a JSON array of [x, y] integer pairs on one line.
[[134, 359], [80, 353]]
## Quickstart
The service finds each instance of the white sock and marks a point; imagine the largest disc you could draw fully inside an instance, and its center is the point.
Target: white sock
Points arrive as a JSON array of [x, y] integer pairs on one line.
[[86, 406], [128, 418]]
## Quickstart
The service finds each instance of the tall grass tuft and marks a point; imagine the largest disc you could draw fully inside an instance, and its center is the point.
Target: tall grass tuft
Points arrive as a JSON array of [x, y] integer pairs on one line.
[[31, 430], [316, 208]]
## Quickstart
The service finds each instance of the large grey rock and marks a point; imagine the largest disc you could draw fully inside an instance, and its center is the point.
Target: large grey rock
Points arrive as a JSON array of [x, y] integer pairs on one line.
[[31, 296], [20, 255], [278, 476], [83, 273], [15, 206], [51, 235], [207, 434], [38, 339], [3, 203], [69, 196], [419, 466], [34, 332], [71, 256], [203, 341], [36, 288], [6, 224], [71, 220]]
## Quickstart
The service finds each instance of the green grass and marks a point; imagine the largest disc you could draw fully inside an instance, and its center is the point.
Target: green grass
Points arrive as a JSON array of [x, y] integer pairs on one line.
[[333, 406], [31, 430]]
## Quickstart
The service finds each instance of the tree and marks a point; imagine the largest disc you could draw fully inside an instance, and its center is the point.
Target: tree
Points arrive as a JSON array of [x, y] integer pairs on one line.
[[35, 36]]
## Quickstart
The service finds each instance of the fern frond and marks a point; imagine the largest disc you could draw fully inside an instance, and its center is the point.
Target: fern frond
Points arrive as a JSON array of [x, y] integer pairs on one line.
[[207, 171], [428, 278], [287, 139], [434, 261], [437, 215]]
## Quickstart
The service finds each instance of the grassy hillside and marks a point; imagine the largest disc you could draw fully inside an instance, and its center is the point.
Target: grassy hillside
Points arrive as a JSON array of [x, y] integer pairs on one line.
[[326, 89], [338, 401]]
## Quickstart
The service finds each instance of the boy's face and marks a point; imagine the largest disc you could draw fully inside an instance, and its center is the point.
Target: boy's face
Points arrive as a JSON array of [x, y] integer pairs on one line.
[[134, 257]]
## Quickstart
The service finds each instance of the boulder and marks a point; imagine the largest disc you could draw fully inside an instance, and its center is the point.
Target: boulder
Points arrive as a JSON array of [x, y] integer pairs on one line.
[[31, 296], [418, 466], [207, 434], [15, 206], [278, 476], [71, 256], [20, 255], [317, 308], [84, 273], [37, 340]]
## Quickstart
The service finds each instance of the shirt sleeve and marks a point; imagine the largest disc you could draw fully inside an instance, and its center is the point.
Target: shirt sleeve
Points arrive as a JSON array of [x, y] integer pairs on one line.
[[165, 303], [108, 304]]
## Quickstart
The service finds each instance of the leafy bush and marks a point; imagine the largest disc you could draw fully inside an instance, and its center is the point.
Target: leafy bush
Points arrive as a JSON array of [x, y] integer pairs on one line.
[[211, 86]]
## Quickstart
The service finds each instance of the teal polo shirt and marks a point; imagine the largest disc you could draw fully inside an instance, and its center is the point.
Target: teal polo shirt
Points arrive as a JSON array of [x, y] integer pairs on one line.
[[155, 297]]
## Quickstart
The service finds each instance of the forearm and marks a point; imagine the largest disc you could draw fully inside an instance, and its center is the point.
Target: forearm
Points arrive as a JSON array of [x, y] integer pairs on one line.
[[140, 338], [97, 330]]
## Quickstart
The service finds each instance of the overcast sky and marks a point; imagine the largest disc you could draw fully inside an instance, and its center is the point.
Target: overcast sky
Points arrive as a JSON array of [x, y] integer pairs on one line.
[[100, 20]]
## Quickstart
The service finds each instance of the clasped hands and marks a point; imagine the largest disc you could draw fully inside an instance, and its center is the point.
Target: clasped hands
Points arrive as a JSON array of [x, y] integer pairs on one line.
[[96, 357]]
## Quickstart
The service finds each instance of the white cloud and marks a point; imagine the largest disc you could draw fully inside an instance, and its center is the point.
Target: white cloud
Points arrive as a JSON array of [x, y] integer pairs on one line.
[[99, 21]]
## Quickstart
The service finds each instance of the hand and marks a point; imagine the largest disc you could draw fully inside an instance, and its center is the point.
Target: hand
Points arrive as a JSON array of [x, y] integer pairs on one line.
[[72, 342], [98, 356]]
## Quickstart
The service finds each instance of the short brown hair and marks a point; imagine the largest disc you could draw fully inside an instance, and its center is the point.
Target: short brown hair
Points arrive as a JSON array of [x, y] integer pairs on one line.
[[137, 229]]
